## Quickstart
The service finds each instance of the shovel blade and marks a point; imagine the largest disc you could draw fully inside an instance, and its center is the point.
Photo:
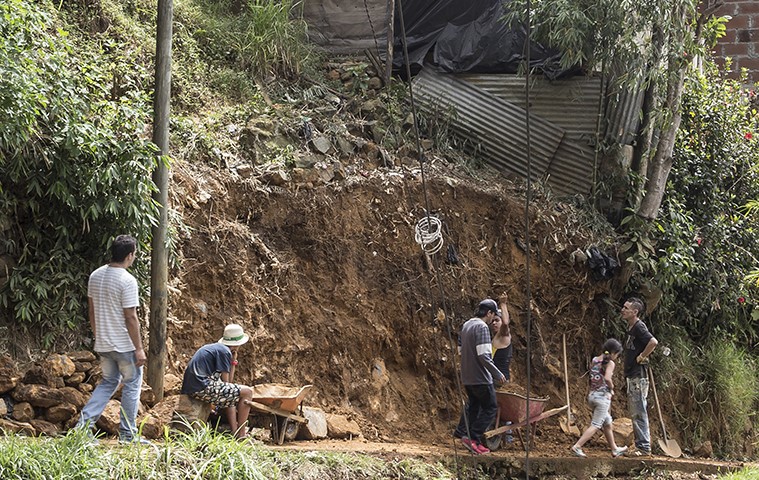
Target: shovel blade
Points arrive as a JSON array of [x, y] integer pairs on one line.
[[568, 427], [670, 448]]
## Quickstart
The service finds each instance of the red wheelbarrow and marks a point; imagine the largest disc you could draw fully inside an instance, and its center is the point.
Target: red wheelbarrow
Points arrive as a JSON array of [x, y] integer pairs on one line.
[[284, 404], [512, 415]]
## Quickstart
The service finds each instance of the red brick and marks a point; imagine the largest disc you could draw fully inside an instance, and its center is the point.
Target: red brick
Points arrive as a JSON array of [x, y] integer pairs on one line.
[[751, 64], [737, 22], [748, 7], [729, 37], [734, 50]]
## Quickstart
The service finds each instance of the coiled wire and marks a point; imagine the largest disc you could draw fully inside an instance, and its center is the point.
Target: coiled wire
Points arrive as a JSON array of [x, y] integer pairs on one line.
[[429, 234]]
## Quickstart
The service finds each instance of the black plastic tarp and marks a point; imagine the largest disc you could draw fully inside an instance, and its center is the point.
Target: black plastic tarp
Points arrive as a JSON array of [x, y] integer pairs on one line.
[[467, 36]]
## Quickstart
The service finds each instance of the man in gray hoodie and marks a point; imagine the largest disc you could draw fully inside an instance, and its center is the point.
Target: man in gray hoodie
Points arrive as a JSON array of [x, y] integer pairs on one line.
[[477, 375]]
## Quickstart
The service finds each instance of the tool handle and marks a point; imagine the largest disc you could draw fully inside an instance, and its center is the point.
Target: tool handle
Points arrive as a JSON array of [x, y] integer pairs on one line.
[[658, 409], [566, 379]]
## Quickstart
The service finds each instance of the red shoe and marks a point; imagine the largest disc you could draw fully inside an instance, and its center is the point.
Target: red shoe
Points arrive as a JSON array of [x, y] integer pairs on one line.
[[470, 445], [481, 449]]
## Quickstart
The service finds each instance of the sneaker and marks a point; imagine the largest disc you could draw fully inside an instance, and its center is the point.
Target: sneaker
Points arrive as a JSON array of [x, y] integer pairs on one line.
[[481, 449], [618, 451], [578, 452], [470, 445], [642, 453], [135, 440]]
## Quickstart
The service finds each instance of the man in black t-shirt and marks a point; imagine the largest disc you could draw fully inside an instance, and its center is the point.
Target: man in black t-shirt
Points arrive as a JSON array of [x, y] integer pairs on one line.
[[638, 346]]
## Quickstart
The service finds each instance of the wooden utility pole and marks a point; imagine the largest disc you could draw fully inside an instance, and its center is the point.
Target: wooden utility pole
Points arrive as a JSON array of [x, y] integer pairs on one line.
[[159, 270], [390, 40]]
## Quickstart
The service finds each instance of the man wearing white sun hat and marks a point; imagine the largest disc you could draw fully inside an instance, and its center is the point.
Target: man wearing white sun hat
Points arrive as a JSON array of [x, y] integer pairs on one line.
[[208, 378]]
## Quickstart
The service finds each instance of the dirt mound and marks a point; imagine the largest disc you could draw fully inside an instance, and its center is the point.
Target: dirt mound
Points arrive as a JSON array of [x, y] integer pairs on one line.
[[334, 291]]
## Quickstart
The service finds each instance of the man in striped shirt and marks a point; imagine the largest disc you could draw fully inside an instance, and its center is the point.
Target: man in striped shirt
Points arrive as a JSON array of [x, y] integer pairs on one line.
[[477, 374], [113, 298]]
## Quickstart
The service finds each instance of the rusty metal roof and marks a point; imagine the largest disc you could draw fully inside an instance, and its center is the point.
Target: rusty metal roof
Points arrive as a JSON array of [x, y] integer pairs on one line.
[[561, 129]]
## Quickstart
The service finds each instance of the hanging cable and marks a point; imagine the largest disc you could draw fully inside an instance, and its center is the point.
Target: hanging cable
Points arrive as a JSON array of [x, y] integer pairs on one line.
[[528, 194], [429, 234]]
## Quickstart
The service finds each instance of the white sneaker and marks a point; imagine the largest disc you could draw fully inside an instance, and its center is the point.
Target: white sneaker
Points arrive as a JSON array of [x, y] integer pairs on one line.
[[619, 451], [578, 452]]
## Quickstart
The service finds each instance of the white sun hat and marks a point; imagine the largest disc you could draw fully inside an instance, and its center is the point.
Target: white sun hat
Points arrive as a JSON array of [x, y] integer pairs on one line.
[[233, 335]]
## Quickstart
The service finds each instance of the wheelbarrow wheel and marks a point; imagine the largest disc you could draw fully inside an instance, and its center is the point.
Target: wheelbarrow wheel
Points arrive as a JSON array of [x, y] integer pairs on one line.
[[494, 443], [290, 429]]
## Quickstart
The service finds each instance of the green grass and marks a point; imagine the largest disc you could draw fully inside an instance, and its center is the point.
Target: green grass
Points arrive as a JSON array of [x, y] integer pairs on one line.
[[199, 454], [748, 473]]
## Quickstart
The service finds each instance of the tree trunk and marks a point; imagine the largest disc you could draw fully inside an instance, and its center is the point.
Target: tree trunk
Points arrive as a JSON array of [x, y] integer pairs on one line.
[[661, 164]]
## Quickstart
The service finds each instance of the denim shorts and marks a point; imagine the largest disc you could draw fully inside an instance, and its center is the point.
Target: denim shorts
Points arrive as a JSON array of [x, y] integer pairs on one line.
[[600, 402]]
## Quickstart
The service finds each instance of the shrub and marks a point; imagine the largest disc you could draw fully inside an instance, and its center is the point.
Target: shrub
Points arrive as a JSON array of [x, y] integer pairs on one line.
[[74, 165]]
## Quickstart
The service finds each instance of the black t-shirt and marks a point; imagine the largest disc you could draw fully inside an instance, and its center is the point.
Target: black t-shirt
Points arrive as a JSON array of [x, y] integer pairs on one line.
[[637, 339]]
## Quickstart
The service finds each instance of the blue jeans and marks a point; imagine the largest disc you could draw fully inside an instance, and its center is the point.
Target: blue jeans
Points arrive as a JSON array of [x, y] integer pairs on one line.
[[637, 391], [116, 367]]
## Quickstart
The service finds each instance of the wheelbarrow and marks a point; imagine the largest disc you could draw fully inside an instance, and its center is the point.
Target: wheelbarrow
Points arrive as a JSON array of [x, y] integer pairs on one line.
[[284, 404], [512, 415]]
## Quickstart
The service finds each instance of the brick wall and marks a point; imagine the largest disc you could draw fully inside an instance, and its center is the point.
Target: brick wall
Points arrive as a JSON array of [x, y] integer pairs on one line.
[[742, 39]]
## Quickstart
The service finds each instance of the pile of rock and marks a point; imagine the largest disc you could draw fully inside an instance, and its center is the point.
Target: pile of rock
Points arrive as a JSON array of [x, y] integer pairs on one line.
[[46, 399]]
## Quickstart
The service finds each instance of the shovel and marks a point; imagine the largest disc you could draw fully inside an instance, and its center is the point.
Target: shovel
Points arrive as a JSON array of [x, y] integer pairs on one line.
[[567, 424], [669, 446]]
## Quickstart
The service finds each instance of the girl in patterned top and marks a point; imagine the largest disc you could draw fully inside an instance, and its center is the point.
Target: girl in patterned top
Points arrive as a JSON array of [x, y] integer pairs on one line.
[[599, 398]]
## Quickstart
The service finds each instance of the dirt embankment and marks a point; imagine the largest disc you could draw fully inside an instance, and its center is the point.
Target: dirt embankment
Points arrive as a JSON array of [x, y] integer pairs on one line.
[[335, 292]]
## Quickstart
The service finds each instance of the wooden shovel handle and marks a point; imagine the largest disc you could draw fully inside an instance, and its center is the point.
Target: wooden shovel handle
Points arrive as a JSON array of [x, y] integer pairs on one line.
[[566, 379]]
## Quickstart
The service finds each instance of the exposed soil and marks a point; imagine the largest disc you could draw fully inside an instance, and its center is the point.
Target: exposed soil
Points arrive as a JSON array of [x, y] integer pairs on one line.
[[335, 292]]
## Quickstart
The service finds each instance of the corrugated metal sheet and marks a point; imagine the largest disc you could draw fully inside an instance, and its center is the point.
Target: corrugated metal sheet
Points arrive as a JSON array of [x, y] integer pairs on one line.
[[499, 127], [623, 117], [570, 103]]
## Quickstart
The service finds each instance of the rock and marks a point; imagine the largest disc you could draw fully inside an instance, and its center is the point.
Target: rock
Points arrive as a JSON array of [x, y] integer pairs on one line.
[[371, 150], [43, 427], [375, 83], [704, 450], [85, 388], [245, 170], [333, 75], [38, 375], [9, 374], [23, 412], [189, 412], [171, 385], [340, 426], [82, 356], [3, 408], [623, 431], [73, 396], [59, 365], [147, 396], [302, 175], [61, 413], [326, 174], [74, 380], [276, 177], [317, 424], [345, 146], [371, 106], [17, 427], [38, 395], [153, 422], [109, 420], [82, 366], [321, 144], [307, 160]]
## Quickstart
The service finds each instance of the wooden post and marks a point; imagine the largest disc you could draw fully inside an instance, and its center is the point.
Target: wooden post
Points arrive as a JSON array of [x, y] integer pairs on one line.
[[159, 255], [390, 40]]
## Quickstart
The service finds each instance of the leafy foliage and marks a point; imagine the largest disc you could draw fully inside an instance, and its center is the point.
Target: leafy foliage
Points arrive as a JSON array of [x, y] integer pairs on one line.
[[708, 244], [75, 170]]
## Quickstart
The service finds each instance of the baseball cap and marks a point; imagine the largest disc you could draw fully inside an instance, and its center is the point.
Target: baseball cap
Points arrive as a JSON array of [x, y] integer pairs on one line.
[[488, 304]]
